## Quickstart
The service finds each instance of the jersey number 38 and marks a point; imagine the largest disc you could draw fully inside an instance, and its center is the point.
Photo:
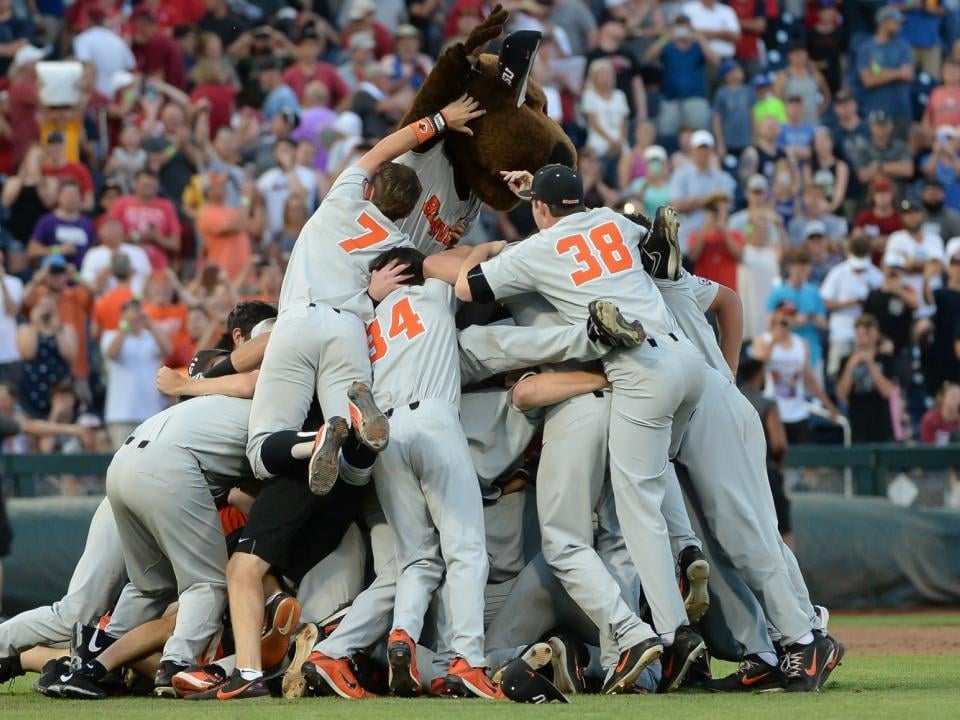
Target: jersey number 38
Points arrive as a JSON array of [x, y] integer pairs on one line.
[[404, 320], [603, 247]]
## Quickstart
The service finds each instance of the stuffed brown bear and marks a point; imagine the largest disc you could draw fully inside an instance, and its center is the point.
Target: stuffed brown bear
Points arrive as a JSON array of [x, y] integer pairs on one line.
[[507, 137]]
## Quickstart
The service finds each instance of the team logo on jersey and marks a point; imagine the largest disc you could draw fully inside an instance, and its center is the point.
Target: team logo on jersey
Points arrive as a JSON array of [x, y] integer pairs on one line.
[[439, 230]]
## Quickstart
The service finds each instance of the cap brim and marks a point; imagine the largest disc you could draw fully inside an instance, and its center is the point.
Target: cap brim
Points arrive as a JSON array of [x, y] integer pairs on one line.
[[525, 194], [521, 683]]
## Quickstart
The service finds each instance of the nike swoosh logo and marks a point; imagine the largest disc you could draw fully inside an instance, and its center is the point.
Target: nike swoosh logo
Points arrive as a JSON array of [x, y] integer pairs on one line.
[[623, 662], [221, 695], [66, 678], [351, 685], [812, 670], [92, 645], [748, 681]]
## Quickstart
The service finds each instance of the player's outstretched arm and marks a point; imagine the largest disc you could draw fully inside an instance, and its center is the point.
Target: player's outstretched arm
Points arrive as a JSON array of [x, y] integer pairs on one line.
[[446, 265], [729, 312], [238, 385], [477, 255], [545, 389], [454, 116]]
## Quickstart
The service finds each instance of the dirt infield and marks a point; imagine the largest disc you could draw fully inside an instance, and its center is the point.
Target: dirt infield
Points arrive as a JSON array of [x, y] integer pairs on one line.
[[887, 640]]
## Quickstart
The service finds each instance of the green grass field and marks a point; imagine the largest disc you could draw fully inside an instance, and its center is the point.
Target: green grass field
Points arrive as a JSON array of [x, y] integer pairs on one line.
[[866, 686]]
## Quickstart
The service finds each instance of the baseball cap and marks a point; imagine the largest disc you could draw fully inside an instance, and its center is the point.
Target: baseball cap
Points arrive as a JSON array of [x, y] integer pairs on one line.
[[406, 30], [556, 185], [203, 360], [793, 97], [843, 95], [521, 683], [155, 144], [909, 205], [308, 32], [858, 263], [946, 131], [655, 152], [882, 184], [878, 117], [758, 182], [289, 115], [894, 261], [361, 41], [55, 261], [701, 138], [787, 307], [888, 13], [359, 9], [814, 227], [28, 54], [120, 79], [727, 66], [54, 137], [762, 80]]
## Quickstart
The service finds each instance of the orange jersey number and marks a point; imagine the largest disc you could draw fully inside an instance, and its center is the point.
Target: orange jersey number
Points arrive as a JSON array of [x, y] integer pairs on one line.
[[403, 320], [609, 251], [375, 232]]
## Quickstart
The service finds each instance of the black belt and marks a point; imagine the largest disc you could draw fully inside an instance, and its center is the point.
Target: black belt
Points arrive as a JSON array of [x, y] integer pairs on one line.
[[653, 343], [412, 406], [336, 310], [142, 444]]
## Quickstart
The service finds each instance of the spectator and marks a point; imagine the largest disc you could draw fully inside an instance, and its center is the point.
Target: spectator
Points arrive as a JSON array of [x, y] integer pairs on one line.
[[269, 280], [684, 55], [11, 300], [810, 321], [827, 44], [866, 384], [796, 136], [127, 158], [165, 301], [157, 54], [768, 105], [943, 106], [23, 100], [893, 305], [56, 164], [15, 32], [653, 190], [916, 248], [198, 333], [47, 347], [104, 50], [361, 19], [149, 220], [379, 110], [789, 377], [940, 219], [464, 16], [822, 256], [360, 49], [406, 66], [941, 425], [28, 196], [280, 181], [223, 230], [717, 23], [882, 154], [13, 426], [295, 216], [732, 106], [943, 361], [880, 217], [764, 239], [211, 83], [827, 171], [316, 119], [109, 306], [767, 158], [65, 231], [633, 165], [132, 354], [849, 130], [943, 164], [581, 26], [223, 23], [279, 95], [844, 291], [885, 71], [596, 193], [800, 79], [610, 45], [691, 186], [752, 17], [815, 208], [307, 67], [607, 112], [714, 250], [921, 30]]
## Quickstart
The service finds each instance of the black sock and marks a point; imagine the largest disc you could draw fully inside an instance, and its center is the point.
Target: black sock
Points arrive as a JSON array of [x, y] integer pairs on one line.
[[14, 667], [356, 453], [276, 452], [95, 671]]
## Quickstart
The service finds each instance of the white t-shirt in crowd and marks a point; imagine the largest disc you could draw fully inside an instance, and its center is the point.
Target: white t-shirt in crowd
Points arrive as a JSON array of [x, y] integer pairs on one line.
[[274, 185], [107, 52], [901, 245], [610, 113], [844, 283], [719, 17], [100, 257], [8, 322], [132, 395]]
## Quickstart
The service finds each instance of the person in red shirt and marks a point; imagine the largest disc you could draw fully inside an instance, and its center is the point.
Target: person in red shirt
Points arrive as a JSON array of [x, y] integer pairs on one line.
[[156, 52], [752, 15], [55, 164], [941, 425], [23, 103], [361, 19], [714, 250], [212, 84], [307, 68], [943, 107], [463, 17], [149, 219], [880, 217]]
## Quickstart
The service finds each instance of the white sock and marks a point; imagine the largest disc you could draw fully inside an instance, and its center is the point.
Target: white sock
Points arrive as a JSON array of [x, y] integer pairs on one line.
[[667, 639], [770, 658], [250, 674], [805, 640]]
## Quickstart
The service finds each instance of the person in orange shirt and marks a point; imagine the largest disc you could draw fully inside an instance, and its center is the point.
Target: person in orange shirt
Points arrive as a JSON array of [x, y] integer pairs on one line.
[[161, 304], [196, 333], [223, 229], [109, 307], [269, 280], [943, 108]]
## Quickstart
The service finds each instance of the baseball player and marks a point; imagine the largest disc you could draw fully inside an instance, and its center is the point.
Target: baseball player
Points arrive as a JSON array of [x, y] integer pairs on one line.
[[578, 256]]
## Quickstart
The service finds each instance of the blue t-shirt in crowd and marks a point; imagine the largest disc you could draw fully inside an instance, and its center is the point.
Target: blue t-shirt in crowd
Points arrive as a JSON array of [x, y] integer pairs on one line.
[[807, 300], [734, 106], [684, 73], [921, 29], [796, 136], [894, 98], [951, 183], [280, 98]]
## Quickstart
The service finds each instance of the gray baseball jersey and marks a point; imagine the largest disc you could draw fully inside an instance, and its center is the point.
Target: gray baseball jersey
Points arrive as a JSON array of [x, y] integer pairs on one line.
[[688, 299], [330, 259], [439, 207], [413, 346]]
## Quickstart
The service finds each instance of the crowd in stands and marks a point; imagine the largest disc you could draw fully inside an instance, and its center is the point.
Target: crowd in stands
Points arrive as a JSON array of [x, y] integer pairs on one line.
[[811, 147]]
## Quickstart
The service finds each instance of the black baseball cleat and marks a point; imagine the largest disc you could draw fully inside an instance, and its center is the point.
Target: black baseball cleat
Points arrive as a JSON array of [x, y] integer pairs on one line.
[[366, 419], [660, 249], [87, 643], [537, 656], [694, 574], [699, 673], [51, 673], [163, 680], [753, 675], [804, 665], [637, 217], [235, 688], [568, 659], [679, 658], [80, 686], [10, 668], [631, 664], [838, 652], [324, 465], [608, 326]]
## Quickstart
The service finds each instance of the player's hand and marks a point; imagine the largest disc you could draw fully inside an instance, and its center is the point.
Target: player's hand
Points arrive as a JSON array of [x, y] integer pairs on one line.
[[495, 247], [517, 180], [456, 233], [460, 112], [169, 382], [387, 279]]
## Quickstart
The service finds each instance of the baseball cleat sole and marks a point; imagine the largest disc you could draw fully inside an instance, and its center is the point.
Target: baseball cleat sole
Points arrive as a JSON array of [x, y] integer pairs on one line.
[[663, 239], [370, 424], [401, 681], [607, 318], [697, 601], [324, 465], [294, 683], [536, 656], [626, 682]]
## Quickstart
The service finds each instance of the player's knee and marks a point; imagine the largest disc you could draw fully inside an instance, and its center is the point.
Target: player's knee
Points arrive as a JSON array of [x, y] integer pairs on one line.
[[244, 568]]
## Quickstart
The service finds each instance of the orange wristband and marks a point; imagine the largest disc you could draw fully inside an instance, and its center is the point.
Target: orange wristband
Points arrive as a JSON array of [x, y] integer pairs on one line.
[[424, 129]]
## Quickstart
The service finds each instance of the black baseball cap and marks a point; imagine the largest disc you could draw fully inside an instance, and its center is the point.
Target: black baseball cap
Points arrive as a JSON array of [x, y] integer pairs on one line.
[[556, 185], [878, 117], [521, 683], [910, 205]]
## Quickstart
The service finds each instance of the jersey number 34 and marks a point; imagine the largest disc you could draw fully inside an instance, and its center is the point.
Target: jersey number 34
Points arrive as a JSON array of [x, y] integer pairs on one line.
[[603, 247], [403, 321]]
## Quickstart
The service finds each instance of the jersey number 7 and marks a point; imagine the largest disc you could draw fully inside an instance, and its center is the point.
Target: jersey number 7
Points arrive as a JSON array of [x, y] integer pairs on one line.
[[608, 251], [375, 232], [403, 320]]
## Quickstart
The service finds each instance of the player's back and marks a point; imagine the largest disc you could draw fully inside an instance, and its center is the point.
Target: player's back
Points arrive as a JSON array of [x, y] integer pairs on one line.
[[688, 299], [212, 428], [330, 260], [413, 346]]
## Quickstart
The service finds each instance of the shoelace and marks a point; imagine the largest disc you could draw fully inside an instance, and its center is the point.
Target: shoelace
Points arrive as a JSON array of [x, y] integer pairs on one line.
[[792, 665], [747, 666]]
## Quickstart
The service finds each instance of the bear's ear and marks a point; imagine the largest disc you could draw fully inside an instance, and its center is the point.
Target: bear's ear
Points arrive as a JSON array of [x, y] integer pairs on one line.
[[486, 31]]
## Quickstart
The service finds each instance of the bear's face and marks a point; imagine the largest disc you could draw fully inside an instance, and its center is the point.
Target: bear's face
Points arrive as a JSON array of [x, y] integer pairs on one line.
[[506, 137]]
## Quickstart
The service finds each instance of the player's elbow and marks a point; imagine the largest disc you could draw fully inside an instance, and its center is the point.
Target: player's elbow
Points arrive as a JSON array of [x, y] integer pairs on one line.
[[462, 289], [524, 395]]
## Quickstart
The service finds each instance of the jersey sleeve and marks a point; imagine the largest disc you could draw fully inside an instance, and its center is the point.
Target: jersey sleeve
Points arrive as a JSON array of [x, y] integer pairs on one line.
[[704, 290], [509, 272], [441, 291], [350, 184]]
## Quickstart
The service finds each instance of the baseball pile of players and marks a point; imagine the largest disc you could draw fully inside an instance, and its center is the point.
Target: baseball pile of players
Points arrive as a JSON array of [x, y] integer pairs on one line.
[[354, 498]]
